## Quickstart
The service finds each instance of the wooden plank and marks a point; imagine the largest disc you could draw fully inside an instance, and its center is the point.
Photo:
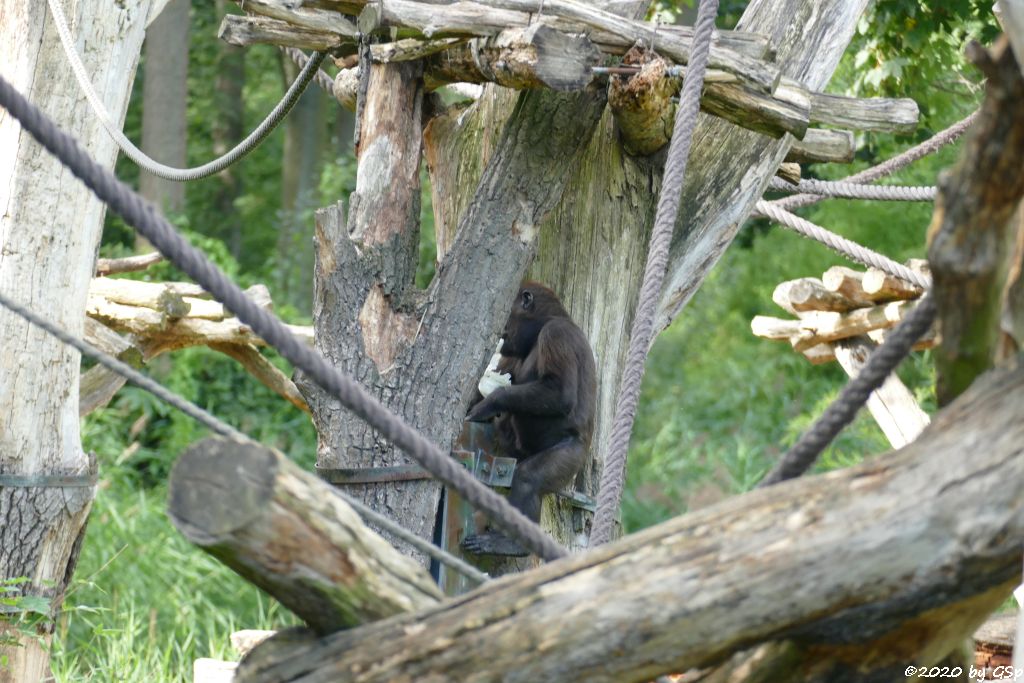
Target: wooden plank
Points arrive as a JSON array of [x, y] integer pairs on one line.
[[822, 146], [892, 405]]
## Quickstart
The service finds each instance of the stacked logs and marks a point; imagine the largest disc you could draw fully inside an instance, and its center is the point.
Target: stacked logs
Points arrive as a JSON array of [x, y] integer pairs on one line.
[[842, 317], [137, 321], [843, 304]]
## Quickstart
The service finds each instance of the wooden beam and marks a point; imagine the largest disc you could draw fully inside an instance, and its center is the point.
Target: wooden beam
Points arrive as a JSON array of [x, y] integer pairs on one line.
[[286, 531], [128, 264], [809, 294], [820, 145], [243, 31], [311, 18], [642, 104], [892, 405], [763, 567], [877, 114]]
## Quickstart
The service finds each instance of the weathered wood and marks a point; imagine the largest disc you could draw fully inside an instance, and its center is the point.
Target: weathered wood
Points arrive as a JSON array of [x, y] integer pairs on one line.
[[1011, 17], [534, 57], [767, 327], [993, 646], [409, 49], [1011, 324], [244, 30], [787, 110], [873, 114], [969, 238], [881, 286], [285, 531], [892, 405], [818, 327], [264, 371], [245, 640], [847, 282], [50, 228], [825, 353], [822, 146], [642, 104], [789, 172], [810, 39], [303, 17], [920, 585], [164, 297], [757, 75], [128, 264], [809, 294]]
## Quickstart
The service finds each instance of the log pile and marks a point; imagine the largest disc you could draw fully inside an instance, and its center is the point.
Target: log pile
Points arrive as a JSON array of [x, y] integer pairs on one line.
[[137, 321], [842, 317], [556, 44]]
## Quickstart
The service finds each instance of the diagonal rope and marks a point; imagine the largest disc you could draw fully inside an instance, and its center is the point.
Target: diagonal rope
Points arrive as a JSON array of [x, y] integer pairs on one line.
[[890, 166], [145, 162], [154, 227], [614, 474], [846, 247], [218, 426], [323, 79], [847, 190], [841, 412]]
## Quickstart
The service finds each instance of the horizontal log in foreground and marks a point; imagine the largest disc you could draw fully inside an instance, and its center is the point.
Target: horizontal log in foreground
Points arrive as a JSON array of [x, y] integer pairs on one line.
[[286, 531], [922, 543]]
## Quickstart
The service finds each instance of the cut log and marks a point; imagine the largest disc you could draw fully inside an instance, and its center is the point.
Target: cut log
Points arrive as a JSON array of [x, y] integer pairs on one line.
[[917, 578], [642, 104], [892, 405], [534, 57], [206, 670], [243, 31], [848, 282], [810, 294], [245, 640], [787, 110], [790, 172], [881, 286], [822, 146], [970, 240], [296, 14], [993, 646], [128, 264], [872, 114], [767, 327], [818, 327], [163, 297], [286, 531]]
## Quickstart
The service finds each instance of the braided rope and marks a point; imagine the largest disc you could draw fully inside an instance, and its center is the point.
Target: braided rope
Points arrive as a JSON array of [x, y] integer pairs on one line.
[[141, 158], [218, 426], [154, 227], [847, 190], [323, 79], [846, 247], [614, 474], [841, 412], [890, 166]]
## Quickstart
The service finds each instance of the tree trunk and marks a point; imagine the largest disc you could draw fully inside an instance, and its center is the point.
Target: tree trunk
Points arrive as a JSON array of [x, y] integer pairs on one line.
[[305, 141], [50, 227], [165, 102], [227, 130]]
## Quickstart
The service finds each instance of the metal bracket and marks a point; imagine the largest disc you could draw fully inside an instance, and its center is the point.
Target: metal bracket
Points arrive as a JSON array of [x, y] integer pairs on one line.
[[372, 475], [489, 469]]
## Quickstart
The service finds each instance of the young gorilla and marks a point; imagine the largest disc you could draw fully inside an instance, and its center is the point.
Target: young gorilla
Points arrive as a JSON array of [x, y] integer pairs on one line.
[[547, 412]]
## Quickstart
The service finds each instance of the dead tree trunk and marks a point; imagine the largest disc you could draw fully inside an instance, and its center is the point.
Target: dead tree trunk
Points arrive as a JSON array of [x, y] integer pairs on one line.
[[49, 231]]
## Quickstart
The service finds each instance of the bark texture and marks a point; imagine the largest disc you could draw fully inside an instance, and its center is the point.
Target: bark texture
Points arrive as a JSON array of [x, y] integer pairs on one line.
[[49, 231]]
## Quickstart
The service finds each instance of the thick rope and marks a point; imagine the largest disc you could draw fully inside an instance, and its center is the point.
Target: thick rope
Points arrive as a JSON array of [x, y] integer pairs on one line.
[[218, 426], [846, 247], [614, 474], [890, 166], [141, 158], [323, 79], [841, 412], [845, 190], [140, 214]]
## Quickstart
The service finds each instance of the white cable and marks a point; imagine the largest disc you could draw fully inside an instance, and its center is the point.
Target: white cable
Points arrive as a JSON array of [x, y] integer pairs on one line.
[[138, 156]]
